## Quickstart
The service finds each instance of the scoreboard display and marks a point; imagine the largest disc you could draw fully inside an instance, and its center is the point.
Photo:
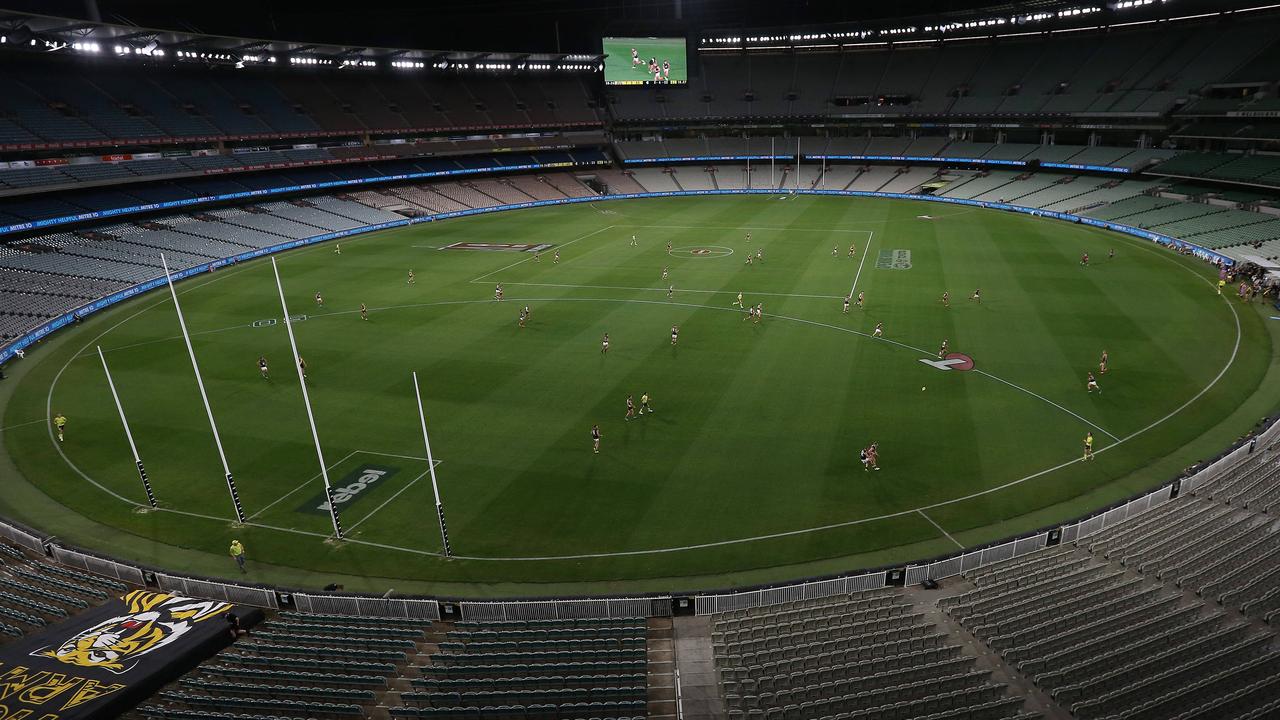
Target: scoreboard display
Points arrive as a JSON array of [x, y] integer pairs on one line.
[[645, 61]]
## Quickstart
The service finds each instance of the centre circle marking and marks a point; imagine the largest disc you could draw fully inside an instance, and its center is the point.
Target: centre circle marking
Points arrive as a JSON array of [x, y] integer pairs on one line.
[[702, 251]]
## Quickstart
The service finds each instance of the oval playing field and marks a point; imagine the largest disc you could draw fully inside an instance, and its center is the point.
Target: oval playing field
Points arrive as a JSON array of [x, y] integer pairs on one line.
[[746, 469]]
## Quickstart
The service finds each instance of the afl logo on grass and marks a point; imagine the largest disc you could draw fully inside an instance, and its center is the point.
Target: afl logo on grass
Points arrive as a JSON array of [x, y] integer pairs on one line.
[[351, 488], [893, 260], [951, 361]]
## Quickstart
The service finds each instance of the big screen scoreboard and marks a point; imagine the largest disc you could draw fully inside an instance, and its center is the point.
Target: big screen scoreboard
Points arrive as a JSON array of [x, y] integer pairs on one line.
[[645, 61]]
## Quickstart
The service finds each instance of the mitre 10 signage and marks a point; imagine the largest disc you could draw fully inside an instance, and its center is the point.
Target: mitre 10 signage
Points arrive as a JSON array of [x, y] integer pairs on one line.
[[105, 660]]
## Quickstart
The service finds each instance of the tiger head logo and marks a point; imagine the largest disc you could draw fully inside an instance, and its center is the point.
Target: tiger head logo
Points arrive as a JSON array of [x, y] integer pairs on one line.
[[152, 621]]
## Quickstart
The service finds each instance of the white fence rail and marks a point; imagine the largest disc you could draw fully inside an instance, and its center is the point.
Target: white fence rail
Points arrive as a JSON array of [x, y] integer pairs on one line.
[[367, 606], [567, 609], [101, 566], [242, 594], [658, 606], [21, 537], [726, 602]]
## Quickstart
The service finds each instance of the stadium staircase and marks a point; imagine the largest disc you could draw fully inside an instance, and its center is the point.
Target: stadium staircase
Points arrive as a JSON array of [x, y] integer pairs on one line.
[[1168, 614]]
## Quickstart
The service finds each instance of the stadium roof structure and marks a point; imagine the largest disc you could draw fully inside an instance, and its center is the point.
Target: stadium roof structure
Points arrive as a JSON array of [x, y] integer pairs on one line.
[[47, 34], [1013, 18]]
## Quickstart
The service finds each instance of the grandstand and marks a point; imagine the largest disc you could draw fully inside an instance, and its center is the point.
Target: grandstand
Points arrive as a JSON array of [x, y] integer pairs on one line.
[[1163, 606]]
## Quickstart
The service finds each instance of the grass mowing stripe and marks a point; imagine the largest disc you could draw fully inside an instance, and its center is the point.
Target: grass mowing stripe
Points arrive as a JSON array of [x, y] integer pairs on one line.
[[765, 453]]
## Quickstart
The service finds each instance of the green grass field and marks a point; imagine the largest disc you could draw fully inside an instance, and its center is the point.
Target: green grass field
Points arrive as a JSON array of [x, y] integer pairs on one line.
[[747, 471], [619, 70]]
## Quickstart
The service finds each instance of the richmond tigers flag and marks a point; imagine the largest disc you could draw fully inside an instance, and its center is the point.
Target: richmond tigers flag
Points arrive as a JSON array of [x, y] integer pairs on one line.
[[107, 659]]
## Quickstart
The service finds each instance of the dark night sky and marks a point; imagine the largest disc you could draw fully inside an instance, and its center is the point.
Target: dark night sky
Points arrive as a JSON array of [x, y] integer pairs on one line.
[[516, 25]]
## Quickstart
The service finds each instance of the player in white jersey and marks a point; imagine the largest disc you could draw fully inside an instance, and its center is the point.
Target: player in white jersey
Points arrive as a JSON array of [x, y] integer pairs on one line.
[[846, 304], [879, 331], [604, 344], [738, 302]]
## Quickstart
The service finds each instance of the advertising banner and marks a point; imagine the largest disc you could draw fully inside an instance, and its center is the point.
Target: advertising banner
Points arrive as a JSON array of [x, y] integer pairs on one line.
[[105, 660]]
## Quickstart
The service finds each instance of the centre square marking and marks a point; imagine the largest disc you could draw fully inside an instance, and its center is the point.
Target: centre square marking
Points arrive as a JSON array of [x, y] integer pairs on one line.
[[499, 247]]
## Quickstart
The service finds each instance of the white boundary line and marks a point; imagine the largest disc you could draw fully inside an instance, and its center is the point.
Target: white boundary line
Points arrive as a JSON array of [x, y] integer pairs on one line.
[[655, 551], [86, 353], [23, 424], [679, 290], [690, 547], [527, 259], [753, 227], [408, 485], [315, 477], [1041, 397], [866, 250], [303, 484], [944, 532]]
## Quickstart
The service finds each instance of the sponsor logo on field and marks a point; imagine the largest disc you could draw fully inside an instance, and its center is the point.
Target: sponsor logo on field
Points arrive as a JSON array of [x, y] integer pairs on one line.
[[894, 260], [351, 488], [499, 247], [951, 361], [272, 321]]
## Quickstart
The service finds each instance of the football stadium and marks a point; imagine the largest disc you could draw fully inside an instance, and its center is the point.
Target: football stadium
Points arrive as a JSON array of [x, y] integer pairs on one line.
[[672, 359]]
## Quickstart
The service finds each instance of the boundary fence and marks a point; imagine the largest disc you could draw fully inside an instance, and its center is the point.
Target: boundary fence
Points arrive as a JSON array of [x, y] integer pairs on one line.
[[630, 607]]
